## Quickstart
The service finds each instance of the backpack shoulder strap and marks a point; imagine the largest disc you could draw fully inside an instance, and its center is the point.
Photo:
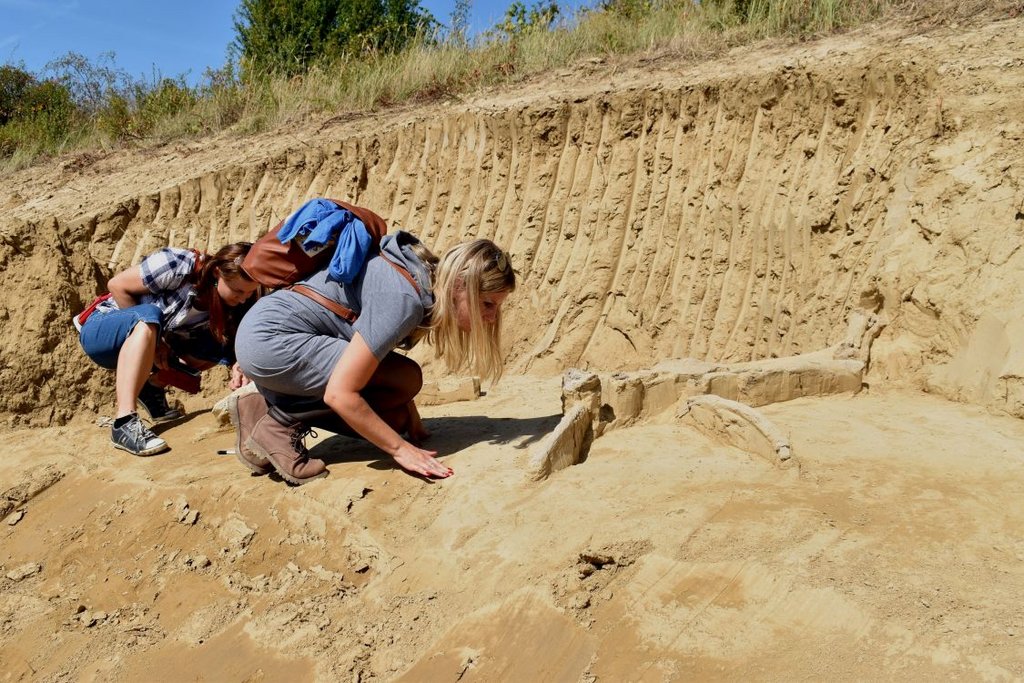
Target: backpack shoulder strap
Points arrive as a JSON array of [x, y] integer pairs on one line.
[[331, 305], [375, 225], [403, 272]]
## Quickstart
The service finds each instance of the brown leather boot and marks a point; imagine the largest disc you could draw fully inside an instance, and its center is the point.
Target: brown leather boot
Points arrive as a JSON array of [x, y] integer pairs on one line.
[[245, 412], [277, 437]]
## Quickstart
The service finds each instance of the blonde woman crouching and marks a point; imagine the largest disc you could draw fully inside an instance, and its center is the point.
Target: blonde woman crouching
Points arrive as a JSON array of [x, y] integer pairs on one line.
[[316, 369]]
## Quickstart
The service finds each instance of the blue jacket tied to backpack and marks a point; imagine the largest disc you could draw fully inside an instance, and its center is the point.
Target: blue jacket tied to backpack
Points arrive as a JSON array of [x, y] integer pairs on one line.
[[320, 223]]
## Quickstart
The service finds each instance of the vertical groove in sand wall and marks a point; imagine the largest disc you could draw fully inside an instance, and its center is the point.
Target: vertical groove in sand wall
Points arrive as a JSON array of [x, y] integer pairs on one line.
[[726, 221]]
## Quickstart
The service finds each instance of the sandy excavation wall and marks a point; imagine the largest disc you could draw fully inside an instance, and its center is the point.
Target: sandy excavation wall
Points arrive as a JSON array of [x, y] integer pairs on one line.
[[724, 217]]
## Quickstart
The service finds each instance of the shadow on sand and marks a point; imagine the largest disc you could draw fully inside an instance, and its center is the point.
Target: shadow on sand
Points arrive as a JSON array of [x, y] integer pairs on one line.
[[185, 418], [449, 436]]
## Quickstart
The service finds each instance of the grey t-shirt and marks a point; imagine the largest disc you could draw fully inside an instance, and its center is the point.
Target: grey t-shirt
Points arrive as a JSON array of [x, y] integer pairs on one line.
[[290, 344], [389, 309]]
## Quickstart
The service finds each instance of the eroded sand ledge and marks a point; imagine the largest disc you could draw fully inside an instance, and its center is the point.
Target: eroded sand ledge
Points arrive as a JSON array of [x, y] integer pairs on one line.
[[727, 214]]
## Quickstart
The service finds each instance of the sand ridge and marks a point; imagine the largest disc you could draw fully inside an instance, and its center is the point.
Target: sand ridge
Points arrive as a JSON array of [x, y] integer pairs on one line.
[[725, 214]]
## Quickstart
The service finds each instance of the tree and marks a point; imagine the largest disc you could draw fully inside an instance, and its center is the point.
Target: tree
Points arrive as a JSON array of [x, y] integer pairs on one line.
[[288, 36], [520, 19], [90, 82], [33, 113], [15, 84], [23, 97], [458, 32]]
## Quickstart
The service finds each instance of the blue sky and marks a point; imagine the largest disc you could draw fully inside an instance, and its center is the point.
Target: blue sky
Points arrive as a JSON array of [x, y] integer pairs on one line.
[[169, 37]]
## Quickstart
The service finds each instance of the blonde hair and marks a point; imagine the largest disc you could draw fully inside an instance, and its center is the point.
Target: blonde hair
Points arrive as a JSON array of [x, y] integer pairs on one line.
[[428, 259], [477, 267]]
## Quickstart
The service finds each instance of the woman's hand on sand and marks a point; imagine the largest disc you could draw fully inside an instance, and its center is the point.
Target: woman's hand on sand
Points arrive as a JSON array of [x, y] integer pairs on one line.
[[421, 461]]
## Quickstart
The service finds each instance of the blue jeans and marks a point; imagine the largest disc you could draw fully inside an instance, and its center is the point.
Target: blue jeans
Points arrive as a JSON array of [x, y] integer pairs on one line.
[[105, 332]]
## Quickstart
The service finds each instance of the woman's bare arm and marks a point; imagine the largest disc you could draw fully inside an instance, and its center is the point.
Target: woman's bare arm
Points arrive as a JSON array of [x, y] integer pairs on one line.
[[126, 287]]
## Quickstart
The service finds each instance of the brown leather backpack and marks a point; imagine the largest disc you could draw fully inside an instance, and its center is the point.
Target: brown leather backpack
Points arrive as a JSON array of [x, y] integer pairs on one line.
[[276, 265]]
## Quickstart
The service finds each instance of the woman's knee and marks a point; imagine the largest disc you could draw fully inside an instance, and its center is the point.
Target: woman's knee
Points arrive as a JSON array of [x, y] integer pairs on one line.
[[400, 374], [396, 382], [145, 329]]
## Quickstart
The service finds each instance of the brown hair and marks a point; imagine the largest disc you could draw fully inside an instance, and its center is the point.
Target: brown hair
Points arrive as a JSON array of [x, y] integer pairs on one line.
[[226, 263], [477, 267]]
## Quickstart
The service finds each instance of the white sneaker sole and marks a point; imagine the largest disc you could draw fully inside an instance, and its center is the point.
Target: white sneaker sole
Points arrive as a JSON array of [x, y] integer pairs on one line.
[[152, 450]]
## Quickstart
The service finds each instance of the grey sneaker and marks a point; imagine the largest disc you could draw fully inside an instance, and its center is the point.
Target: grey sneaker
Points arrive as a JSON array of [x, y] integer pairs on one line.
[[134, 437], [152, 402]]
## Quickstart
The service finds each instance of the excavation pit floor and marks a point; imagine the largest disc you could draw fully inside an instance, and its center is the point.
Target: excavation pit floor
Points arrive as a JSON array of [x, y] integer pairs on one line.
[[892, 550]]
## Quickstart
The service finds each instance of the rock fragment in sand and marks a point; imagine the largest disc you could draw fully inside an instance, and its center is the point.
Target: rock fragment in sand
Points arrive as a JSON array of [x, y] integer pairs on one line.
[[90, 618], [31, 485], [738, 425], [326, 574], [221, 411], [567, 445], [596, 559], [197, 562], [362, 557], [449, 390], [15, 517], [24, 571], [236, 533], [181, 510]]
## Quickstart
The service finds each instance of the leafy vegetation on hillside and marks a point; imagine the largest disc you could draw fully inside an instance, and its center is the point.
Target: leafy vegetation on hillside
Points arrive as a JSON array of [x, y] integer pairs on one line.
[[404, 55], [287, 38]]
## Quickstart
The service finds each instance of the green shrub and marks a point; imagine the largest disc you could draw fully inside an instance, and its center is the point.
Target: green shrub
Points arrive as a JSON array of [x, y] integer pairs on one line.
[[36, 116], [15, 83], [165, 101], [116, 120], [628, 9], [287, 38], [22, 96]]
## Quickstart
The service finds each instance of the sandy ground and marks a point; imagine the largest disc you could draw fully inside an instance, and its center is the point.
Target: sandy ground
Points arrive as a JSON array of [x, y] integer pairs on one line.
[[892, 551], [757, 207]]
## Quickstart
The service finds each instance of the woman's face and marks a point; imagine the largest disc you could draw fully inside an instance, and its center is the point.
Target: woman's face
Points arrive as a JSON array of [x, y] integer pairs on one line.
[[490, 306], [235, 290]]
